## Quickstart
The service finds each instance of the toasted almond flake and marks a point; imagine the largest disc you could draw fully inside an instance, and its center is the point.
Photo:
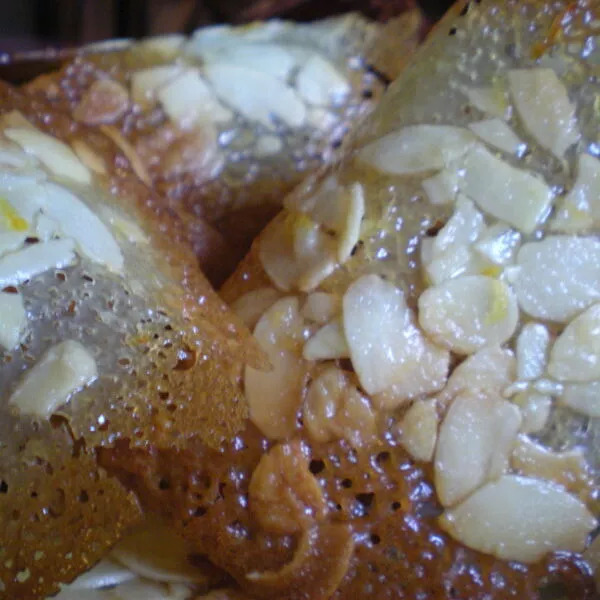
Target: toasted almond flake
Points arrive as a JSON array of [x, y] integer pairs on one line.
[[580, 208], [12, 319], [274, 396], [321, 307], [350, 230], [468, 313], [93, 239], [62, 371], [11, 241], [418, 430], [535, 409], [154, 551], [385, 346], [498, 244], [105, 101], [582, 397], [498, 134], [106, 573], [503, 191], [441, 188], [269, 58], [567, 468], [575, 355], [188, 101], [327, 343], [253, 304], [32, 260], [532, 351], [489, 370], [417, 149], [296, 253], [146, 82], [544, 107], [258, 96], [520, 518], [320, 83], [129, 151], [52, 153], [334, 409], [474, 444], [491, 100], [558, 277], [91, 159]]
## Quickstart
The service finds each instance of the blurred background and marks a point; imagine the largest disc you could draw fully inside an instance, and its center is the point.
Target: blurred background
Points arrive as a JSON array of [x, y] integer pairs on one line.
[[38, 24]]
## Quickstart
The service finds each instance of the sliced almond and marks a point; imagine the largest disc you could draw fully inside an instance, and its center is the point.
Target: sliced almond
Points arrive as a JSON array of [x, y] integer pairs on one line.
[[532, 351], [327, 343], [106, 573], [274, 396], [441, 188], [474, 444], [492, 100], [12, 319], [91, 159], [62, 371], [105, 101], [498, 244], [558, 277], [32, 260], [11, 241], [129, 151], [419, 428], [349, 233], [519, 518], [579, 210], [498, 134], [52, 153], [455, 261], [252, 305], [335, 409], [535, 409], [567, 469], [468, 313], [464, 226], [385, 346], [417, 149], [321, 307], [320, 83], [575, 355], [503, 191], [146, 82], [490, 370], [582, 397], [544, 107]]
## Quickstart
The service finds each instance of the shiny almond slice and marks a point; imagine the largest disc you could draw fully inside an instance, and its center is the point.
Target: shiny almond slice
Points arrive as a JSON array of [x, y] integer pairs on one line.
[[13, 319], [558, 277], [419, 428], [442, 187], [284, 496], [52, 153], [582, 397], [520, 518], [464, 226], [188, 100], [535, 409], [76, 221], [417, 149], [146, 82], [17, 267], [327, 343], [468, 313], [318, 82], [124, 226], [335, 409], [274, 396], [349, 233], [62, 371], [580, 208], [296, 253], [532, 348], [575, 355], [490, 370], [129, 151], [474, 444], [498, 244], [253, 304], [256, 95], [91, 159], [518, 197], [492, 100], [499, 135], [453, 262], [544, 108], [567, 469], [321, 307], [385, 346], [155, 552]]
